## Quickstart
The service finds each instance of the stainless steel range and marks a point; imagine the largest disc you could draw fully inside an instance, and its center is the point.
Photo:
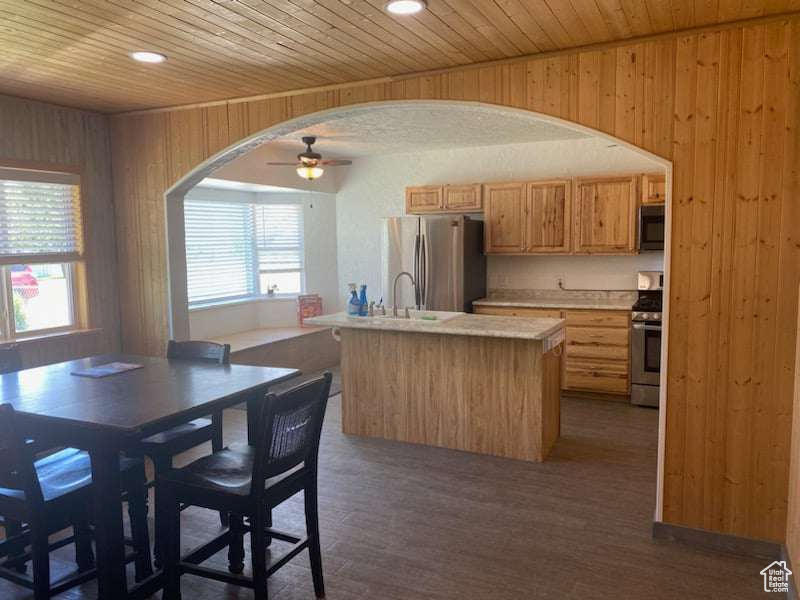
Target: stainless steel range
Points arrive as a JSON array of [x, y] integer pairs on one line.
[[646, 340]]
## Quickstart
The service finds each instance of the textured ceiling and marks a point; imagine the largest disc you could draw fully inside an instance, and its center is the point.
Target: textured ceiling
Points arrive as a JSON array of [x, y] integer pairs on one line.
[[400, 129]]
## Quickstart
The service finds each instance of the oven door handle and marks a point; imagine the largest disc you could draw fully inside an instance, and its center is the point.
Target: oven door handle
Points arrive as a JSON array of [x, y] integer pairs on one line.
[[644, 327]]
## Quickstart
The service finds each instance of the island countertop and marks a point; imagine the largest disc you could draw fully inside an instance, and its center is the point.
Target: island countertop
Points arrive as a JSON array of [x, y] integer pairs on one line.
[[466, 324]]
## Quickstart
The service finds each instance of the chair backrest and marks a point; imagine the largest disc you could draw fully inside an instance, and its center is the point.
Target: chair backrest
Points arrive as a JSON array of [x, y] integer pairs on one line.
[[210, 352], [289, 430], [17, 471], [10, 359]]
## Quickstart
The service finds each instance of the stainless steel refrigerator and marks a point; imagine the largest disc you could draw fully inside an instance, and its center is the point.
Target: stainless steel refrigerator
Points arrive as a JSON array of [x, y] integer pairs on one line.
[[445, 256]]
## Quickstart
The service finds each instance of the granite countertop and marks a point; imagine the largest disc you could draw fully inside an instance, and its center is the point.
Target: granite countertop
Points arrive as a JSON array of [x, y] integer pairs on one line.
[[591, 300], [466, 324]]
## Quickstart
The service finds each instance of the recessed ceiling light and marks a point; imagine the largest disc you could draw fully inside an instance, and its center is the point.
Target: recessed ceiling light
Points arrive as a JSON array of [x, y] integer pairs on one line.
[[405, 7], [148, 57]]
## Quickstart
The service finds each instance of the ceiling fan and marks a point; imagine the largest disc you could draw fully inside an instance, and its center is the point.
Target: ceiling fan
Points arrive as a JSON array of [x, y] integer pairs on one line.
[[309, 163]]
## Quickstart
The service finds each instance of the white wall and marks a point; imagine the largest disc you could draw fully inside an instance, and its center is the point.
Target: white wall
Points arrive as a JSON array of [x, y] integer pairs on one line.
[[319, 225], [373, 188], [576, 272]]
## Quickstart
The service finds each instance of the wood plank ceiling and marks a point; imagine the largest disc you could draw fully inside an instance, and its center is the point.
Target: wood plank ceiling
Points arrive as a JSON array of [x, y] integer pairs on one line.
[[76, 52]]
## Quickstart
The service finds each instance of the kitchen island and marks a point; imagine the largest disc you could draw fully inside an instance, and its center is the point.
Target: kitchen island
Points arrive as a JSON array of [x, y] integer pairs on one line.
[[477, 383]]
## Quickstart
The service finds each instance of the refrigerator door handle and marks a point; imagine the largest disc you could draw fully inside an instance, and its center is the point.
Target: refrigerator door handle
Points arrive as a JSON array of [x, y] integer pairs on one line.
[[422, 282], [455, 274], [416, 269]]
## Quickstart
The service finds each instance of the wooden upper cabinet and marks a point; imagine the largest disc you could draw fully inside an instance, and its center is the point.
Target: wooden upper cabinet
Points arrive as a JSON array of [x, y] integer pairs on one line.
[[504, 216], [425, 199], [463, 198], [654, 189], [604, 216], [549, 217]]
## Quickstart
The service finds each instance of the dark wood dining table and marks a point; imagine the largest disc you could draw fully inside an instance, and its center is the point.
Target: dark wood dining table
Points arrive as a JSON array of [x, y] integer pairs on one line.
[[108, 415]]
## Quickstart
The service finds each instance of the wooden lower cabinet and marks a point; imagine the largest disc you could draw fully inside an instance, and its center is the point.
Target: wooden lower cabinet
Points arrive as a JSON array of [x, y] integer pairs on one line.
[[601, 376], [597, 350]]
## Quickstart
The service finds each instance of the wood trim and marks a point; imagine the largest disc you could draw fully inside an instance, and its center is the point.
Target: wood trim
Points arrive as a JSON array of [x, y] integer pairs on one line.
[[719, 542], [668, 35]]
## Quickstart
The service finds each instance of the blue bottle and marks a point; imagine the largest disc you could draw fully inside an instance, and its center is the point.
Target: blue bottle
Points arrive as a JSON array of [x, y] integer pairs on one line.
[[363, 309], [353, 303]]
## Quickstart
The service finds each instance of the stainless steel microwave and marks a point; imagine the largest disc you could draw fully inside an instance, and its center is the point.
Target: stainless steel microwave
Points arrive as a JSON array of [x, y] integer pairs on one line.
[[651, 227]]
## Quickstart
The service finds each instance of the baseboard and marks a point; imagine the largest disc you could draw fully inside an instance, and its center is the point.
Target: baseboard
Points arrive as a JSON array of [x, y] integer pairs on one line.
[[792, 595], [721, 542]]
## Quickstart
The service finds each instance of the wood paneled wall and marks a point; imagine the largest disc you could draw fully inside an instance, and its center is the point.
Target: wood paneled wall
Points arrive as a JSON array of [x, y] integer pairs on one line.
[[50, 135], [724, 107], [793, 519]]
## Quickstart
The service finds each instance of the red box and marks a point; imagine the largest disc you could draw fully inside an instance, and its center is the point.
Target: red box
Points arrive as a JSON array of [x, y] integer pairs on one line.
[[308, 305]]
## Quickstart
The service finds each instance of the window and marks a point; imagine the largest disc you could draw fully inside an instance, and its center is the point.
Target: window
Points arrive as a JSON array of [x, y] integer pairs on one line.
[[279, 242], [40, 242], [242, 250]]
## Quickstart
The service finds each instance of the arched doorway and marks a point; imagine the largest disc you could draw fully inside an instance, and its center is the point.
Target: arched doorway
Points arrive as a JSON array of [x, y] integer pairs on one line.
[[467, 111]]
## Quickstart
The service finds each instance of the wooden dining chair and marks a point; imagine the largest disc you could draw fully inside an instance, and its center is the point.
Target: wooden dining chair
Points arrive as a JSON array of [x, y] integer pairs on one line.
[[54, 493], [249, 481], [162, 447], [10, 362]]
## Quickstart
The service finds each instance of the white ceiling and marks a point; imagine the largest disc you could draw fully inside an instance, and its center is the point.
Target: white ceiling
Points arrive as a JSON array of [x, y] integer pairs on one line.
[[402, 129]]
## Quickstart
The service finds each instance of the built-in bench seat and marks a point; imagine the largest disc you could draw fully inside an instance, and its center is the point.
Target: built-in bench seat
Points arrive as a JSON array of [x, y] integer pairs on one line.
[[306, 348]]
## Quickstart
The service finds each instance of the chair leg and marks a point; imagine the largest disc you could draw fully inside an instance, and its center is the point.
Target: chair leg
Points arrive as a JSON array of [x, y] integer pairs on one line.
[[258, 554], [160, 465], [40, 557], [84, 554], [137, 513], [14, 528], [170, 518], [269, 524], [236, 546], [312, 528], [216, 446]]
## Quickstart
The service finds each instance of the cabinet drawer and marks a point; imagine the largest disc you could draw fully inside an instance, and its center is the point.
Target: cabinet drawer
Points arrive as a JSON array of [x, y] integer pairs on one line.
[[604, 376], [598, 318], [519, 311], [597, 342]]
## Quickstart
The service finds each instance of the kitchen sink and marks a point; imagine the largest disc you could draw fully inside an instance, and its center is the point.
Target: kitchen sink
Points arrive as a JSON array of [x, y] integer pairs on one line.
[[426, 316]]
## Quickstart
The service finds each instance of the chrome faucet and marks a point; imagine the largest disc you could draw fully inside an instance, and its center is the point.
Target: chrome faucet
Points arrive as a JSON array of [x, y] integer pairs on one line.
[[394, 291]]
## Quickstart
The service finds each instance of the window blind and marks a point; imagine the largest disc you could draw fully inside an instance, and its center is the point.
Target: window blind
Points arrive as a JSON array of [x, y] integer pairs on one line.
[[279, 237], [219, 250], [39, 221]]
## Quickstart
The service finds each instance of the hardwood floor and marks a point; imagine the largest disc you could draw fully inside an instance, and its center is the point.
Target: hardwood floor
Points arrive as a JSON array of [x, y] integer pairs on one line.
[[405, 522]]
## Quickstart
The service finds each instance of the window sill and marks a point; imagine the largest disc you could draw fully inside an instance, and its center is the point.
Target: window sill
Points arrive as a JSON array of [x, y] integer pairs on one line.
[[240, 301], [43, 336]]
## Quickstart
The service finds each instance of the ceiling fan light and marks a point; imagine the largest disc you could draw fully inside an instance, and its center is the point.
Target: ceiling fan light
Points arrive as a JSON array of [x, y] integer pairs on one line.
[[310, 172], [405, 7]]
